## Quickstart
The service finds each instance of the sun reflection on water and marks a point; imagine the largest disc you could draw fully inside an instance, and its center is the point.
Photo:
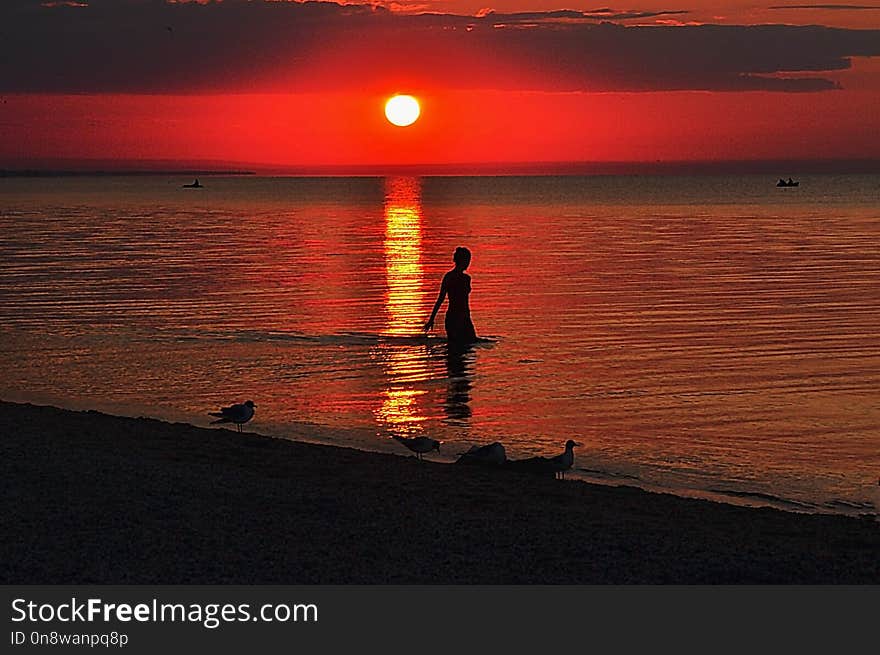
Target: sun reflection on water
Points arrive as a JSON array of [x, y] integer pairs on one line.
[[406, 364], [405, 292]]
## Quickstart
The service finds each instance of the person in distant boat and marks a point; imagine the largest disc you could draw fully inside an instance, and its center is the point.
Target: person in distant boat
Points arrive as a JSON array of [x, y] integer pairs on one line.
[[457, 285], [790, 182]]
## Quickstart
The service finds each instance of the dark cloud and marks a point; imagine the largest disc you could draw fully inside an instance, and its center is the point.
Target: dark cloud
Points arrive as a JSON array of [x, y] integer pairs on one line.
[[633, 15], [572, 15], [239, 46], [842, 7]]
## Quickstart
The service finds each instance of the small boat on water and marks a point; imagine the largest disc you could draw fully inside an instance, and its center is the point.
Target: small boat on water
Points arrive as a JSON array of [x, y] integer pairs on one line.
[[195, 185], [783, 183]]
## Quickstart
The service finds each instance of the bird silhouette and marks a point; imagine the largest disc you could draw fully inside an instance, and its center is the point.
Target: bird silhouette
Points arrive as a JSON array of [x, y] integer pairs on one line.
[[238, 414], [547, 465], [419, 445], [561, 463]]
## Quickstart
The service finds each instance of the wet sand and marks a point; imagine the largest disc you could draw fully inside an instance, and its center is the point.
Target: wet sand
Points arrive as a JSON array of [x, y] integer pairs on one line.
[[92, 498]]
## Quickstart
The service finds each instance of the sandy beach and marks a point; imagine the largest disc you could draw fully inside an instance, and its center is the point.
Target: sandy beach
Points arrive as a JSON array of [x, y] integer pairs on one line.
[[92, 498]]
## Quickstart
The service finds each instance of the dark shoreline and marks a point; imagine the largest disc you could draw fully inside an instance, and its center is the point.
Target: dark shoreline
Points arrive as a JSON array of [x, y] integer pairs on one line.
[[97, 499]]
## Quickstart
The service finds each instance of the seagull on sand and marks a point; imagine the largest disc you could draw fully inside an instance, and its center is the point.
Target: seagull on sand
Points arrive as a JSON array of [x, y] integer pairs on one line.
[[238, 414], [546, 465], [419, 445], [561, 463]]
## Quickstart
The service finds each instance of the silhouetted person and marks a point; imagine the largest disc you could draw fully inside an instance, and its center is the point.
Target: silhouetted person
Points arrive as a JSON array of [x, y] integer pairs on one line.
[[457, 284]]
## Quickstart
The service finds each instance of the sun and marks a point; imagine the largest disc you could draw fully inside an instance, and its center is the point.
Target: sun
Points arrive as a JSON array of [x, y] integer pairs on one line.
[[402, 110]]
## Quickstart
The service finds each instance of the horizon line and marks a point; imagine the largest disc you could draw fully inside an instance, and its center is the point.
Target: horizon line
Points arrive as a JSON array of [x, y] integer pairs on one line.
[[73, 167]]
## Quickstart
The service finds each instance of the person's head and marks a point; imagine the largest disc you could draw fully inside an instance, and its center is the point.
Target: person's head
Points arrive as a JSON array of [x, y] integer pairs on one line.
[[462, 258]]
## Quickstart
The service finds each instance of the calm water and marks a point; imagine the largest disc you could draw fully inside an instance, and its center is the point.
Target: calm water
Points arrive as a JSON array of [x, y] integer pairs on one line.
[[696, 334]]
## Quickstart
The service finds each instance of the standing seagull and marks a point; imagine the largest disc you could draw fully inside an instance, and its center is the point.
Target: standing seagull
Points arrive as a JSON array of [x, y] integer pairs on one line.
[[561, 463], [238, 414], [419, 445]]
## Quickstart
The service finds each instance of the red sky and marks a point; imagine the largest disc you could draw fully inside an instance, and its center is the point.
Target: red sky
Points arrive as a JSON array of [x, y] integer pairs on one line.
[[238, 83]]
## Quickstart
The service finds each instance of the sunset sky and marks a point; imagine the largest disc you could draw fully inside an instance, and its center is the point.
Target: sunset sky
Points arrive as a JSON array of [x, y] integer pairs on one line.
[[304, 84]]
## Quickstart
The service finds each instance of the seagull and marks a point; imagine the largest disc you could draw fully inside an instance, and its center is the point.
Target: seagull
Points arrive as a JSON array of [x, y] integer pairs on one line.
[[419, 445], [238, 414], [561, 463], [546, 465]]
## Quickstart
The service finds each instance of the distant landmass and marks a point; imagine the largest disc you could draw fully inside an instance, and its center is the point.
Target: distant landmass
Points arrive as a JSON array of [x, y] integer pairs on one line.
[[117, 173], [70, 167]]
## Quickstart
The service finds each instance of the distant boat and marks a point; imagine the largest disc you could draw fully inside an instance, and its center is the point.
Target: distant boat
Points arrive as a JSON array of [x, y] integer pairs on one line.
[[783, 183], [195, 185]]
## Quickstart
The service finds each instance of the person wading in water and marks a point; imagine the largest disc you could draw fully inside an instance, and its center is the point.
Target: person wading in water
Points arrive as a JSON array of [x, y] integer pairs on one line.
[[457, 284]]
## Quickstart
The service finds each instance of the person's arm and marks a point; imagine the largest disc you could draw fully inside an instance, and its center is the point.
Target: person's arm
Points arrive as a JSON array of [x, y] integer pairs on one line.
[[430, 322]]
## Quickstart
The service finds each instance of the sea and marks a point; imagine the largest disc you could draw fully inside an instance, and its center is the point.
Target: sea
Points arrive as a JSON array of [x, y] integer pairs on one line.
[[710, 335]]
